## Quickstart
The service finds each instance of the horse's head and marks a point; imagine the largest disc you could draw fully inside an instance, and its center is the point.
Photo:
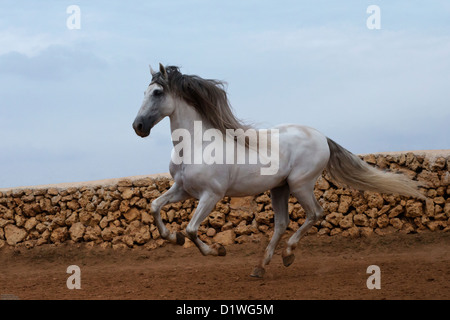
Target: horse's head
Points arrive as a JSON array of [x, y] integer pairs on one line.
[[157, 104]]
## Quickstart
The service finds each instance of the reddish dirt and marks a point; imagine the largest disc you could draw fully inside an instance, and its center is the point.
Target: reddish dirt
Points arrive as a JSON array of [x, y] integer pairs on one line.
[[414, 266]]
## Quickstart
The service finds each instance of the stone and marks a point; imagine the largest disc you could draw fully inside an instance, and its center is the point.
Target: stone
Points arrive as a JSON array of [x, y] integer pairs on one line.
[[382, 163], [124, 183], [92, 233], [330, 195], [352, 233], [430, 179], [334, 218], [132, 214], [396, 223], [264, 217], [414, 209], [445, 179], [366, 231], [243, 203], [31, 209], [52, 191], [370, 158], [146, 218], [242, 228], [407, 228], [28, 198], [439, 164], [58, 235], [344, 204], [374, 200], [264, 198], [383, 221], [31, 223], [84, 217], [14, 235], [335, 231], [360, 220], [236, 216], [211, 232], [4, 222], [41, 227], [143, 182], [128, 240], [139, 232], [397, 210], [73, 205], [127, 193], [71, 219], [76, 231], [447, 209], [439, 200], [20, 220], [216, 219], [436, 225], [429, 207], [227, 226], [346, 222], [151, 194], [225, 237], [322, 184]]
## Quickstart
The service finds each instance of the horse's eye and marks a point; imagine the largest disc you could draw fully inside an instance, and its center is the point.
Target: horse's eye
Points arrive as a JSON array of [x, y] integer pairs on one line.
[[157, 93]]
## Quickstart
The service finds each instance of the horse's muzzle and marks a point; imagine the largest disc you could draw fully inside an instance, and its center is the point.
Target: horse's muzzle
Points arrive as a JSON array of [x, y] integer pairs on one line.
[[141, 128]]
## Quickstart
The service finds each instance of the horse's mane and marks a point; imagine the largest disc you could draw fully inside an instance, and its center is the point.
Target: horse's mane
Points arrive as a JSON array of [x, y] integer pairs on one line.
[[207, 96]]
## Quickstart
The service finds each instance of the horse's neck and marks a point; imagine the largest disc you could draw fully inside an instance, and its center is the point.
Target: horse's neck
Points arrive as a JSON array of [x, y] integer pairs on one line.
[[184, 117]]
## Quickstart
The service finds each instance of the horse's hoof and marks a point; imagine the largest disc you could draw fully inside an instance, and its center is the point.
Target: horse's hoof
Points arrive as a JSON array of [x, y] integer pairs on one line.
[[180, 238], [287, 260], [221, 250], [258, 272]]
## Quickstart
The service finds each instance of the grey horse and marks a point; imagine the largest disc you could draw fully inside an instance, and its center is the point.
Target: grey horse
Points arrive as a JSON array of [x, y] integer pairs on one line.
[[199, 111]]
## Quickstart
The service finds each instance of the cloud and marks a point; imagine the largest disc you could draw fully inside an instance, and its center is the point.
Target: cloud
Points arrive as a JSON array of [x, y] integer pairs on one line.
[[53, 63], [16, 40]]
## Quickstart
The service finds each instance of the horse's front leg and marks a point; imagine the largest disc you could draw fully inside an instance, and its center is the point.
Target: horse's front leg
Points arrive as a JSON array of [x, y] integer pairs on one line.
[[206, 203], [174, 194]]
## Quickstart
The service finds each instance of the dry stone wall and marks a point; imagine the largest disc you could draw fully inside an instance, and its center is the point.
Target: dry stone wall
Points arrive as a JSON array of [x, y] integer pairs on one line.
[[117, 214]]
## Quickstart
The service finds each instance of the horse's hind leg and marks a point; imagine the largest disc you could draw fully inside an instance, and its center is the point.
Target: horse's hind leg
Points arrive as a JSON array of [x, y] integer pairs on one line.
[[174, 194], [280, 198], [314, 212]]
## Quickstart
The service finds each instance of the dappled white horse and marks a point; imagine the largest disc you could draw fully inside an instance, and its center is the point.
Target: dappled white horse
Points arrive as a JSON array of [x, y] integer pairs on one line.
[[206, 165]]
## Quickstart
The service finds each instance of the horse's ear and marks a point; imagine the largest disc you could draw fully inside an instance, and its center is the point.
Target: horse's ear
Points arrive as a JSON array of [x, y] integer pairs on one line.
[[152, 72], [163, 71]]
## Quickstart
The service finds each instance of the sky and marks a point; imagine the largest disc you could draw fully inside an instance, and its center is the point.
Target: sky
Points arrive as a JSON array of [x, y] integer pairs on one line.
[[68, 97]]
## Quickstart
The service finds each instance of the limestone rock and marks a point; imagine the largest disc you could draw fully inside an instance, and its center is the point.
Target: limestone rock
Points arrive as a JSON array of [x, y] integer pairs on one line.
[[361, 220], [346, 222], [58, 235], [216, 219], [334, 218], [264, 217], [225, 237], [139, 232], [14, 234], [132, 214], [76, 231], [414, 209]]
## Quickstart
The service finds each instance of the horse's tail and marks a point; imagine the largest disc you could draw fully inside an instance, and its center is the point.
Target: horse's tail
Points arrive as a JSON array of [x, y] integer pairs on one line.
[[345, 167]]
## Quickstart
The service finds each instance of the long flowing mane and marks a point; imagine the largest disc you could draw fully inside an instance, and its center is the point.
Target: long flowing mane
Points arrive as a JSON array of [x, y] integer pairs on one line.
[[207, 96]]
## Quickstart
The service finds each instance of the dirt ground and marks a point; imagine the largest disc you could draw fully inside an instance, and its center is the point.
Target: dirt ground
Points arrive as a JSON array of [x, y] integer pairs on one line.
[[413, 266]]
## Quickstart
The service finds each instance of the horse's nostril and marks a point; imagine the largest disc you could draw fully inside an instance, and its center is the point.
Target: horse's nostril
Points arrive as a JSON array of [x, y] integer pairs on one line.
[[138, 126]]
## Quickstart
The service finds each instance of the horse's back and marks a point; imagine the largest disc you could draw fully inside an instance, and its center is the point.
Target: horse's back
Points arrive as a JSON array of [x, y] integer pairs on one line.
[[305, 149]]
